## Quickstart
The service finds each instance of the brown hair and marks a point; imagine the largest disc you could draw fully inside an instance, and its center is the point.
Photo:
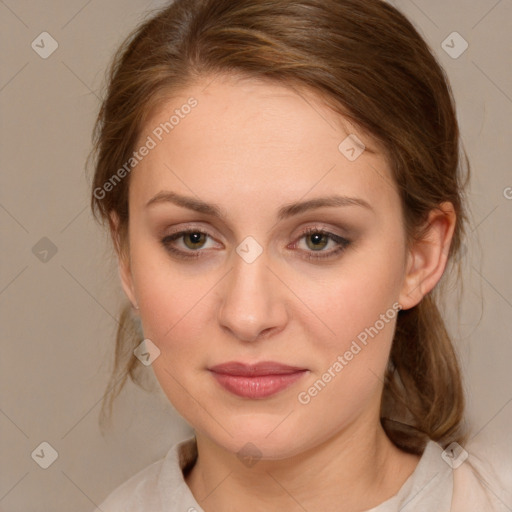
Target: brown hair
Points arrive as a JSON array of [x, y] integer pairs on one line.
[[369, 64]]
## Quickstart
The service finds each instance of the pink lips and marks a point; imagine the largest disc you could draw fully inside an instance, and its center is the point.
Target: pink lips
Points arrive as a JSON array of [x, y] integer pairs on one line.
[[255, 381]]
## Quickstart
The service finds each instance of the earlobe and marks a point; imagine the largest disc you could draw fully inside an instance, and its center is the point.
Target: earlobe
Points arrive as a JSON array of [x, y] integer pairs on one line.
[[428, 257], [413, 289]]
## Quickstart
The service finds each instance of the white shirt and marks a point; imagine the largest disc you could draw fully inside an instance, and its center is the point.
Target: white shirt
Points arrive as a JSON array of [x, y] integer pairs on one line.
[[434, 486]]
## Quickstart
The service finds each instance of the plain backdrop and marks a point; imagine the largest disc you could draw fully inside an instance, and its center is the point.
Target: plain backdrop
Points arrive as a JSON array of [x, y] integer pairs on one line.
[[59, 289]]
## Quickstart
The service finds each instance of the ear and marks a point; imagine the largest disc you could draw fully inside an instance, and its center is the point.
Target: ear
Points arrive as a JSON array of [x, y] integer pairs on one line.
[[123, 259], [427, 259]]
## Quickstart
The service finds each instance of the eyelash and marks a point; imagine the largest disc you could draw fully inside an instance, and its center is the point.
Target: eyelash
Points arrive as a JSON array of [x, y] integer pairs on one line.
[[343, 243]]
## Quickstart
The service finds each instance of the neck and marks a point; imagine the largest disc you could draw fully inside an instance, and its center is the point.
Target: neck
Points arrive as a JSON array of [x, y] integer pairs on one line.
[[358, 468]]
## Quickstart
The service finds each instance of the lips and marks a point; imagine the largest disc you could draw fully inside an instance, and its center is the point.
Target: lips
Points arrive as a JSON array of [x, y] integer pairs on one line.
[[250, 370], [256, 381]]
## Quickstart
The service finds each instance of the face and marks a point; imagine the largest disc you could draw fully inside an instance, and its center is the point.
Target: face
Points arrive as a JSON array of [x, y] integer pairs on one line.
[[239, 257]]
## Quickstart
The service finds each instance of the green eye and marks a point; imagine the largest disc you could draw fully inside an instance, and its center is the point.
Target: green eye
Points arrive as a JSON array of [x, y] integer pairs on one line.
[[317, 240], [196, 239], [193, 240]]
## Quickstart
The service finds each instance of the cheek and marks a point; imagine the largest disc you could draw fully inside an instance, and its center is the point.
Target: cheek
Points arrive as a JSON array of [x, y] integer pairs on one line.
[[171, 307], [353, 354], [360, 308], [173, 313], [352, 300], [356, 347]]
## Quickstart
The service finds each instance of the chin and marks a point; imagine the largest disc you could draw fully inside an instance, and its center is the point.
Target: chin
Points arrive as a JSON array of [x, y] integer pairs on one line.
[[254, 439]]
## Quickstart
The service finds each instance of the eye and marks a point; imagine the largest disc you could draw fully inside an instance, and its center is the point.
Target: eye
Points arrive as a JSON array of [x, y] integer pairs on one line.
[[317, 239], [192, 239]]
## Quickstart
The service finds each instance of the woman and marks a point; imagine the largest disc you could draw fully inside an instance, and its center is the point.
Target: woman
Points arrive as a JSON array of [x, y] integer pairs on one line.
[[282, 184]]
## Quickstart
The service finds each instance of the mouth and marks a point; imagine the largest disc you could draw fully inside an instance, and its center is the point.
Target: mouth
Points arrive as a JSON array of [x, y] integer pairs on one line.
[[256, 381]]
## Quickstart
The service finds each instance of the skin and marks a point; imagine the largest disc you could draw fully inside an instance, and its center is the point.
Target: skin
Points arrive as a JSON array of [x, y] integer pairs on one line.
[[251, 148]]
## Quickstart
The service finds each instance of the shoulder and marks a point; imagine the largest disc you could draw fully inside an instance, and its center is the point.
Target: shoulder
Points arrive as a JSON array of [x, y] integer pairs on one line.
[[473, 478], [156, 487], [138, 493], [484, 480]]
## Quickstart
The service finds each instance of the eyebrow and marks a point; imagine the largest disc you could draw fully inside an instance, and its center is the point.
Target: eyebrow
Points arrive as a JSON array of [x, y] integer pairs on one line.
[[284, 212]]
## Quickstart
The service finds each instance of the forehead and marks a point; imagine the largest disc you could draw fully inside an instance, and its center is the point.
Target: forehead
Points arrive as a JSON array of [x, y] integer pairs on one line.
[[258, 139]]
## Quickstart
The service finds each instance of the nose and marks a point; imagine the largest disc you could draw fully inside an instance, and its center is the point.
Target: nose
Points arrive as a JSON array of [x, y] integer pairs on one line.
[[253, 306]]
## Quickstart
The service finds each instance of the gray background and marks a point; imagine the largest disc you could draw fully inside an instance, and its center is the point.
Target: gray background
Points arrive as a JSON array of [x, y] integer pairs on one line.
[[58, 316]]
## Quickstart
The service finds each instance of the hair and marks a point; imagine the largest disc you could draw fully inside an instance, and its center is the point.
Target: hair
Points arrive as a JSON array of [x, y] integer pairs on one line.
[[367, 62]]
